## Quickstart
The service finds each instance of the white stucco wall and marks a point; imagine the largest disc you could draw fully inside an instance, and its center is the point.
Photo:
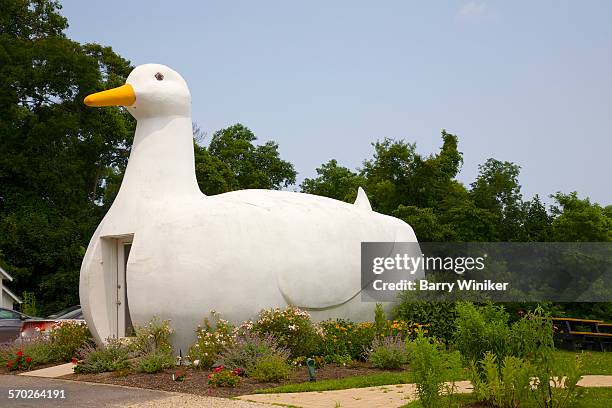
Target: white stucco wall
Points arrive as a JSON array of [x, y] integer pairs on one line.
[[236, 253]]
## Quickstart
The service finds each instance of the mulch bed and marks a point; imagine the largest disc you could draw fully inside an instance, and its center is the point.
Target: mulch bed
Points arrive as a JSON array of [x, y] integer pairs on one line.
[[197, 381]]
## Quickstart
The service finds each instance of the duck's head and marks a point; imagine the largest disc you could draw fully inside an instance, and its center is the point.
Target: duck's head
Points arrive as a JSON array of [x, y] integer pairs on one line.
[[150, 90]]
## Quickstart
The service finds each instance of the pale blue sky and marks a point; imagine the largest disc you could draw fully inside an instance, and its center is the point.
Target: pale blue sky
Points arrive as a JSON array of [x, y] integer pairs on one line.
[[525, 81]]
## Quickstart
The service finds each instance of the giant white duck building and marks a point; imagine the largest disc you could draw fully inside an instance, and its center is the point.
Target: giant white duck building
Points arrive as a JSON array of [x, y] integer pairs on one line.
[[165, 249]]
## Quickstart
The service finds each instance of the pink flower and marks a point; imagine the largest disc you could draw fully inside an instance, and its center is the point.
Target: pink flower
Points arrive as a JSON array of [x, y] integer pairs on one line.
[[216, 370]]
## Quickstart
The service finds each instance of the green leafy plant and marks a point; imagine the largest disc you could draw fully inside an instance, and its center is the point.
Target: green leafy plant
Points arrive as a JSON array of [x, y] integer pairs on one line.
[[112, 356], [431, 366], [292, 329], [28, 303], [339, 359], [247, 348], [480, 330], [507, 386], [153, 337], [343, 337], [20, 361], [211, 341], [272, 368], [438, 316], [155, 362], [222, 377], [66, 337], [388, 352]]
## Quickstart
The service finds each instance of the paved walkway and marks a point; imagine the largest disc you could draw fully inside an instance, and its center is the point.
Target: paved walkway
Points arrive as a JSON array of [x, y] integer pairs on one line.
[[91, 395], [51, 372], [388, 396]]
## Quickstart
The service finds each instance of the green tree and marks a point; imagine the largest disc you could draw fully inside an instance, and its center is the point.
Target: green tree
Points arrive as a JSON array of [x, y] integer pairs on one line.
[[233, 162], [497, 190], [58, 157], [579, 220], [334, 181]]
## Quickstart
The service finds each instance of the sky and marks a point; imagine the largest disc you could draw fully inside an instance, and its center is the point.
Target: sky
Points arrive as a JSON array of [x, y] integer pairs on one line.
[[523, 81]]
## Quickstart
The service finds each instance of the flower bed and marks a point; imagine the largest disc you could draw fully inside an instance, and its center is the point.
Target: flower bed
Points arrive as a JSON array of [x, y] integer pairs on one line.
[[197, 381]]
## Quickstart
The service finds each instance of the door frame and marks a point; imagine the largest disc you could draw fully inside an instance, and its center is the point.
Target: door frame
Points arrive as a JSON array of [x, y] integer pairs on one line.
[[121, 300]]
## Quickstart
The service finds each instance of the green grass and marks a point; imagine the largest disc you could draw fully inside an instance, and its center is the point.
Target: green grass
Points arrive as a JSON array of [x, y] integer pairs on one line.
[[371, 380], [593, 362], [588, 398]]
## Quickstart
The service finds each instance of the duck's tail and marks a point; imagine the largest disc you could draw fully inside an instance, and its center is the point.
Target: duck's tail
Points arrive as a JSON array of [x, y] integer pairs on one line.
[[362, 200]]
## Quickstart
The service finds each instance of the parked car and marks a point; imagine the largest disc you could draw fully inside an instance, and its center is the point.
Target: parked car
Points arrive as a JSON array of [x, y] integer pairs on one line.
[[10, 324], [36, 327]]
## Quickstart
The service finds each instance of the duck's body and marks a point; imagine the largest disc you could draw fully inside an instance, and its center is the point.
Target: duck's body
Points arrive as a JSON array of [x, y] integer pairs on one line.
[[236, 253]]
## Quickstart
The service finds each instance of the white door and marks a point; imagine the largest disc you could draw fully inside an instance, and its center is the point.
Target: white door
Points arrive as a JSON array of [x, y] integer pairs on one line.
[[124, 323]]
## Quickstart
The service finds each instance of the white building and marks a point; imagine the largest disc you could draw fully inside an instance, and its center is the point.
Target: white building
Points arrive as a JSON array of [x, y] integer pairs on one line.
[[7, 298]]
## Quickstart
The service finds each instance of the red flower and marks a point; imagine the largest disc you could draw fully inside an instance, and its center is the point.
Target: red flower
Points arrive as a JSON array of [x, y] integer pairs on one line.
[[210, 376], [19, 353], [216, 370], [74, 360], [28, 359], [10, 363]]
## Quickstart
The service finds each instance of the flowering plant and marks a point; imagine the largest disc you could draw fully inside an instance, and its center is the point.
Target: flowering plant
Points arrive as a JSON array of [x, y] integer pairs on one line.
[[222, 377], [20, 362], [291, 327], [211, 341], [341, 338], [153, 336], [180, 375]]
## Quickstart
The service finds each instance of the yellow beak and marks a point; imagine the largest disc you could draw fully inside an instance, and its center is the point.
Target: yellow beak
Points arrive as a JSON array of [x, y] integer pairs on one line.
[[120, 96]]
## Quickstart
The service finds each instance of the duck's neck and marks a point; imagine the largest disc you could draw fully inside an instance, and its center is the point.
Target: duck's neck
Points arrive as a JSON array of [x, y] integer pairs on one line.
[[161, 163]]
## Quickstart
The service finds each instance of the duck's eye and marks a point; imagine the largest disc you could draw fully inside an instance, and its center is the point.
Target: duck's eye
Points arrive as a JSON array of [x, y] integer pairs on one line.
[[159, 76]]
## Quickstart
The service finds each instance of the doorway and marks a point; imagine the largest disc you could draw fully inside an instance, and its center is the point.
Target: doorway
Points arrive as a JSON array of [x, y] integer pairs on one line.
[[124, 322]]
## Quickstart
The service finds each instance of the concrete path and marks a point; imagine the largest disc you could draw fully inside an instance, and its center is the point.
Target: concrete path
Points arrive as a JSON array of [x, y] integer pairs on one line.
[[387, 396], [90, 395], [382, 396], [51, 372]]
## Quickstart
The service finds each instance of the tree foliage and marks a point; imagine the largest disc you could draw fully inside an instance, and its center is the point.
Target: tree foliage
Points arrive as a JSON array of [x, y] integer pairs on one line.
[[57, 155]]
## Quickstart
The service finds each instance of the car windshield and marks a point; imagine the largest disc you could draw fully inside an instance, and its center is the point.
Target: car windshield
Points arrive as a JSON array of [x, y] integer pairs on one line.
[[61, 313]]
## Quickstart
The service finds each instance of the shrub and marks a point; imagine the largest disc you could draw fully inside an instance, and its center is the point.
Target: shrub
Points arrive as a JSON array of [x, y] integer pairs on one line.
[[292, 329], [222, 377], [438, 316], [480, 330], [211, 341], [41, 350], [503, 387], [430, 367], [113, 356], [19, 361], [339, 359], [388, 352], [343, 337], [153, 337], [155, 362], [555, 380], [66, 338], [247, 348], [272, 368]]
